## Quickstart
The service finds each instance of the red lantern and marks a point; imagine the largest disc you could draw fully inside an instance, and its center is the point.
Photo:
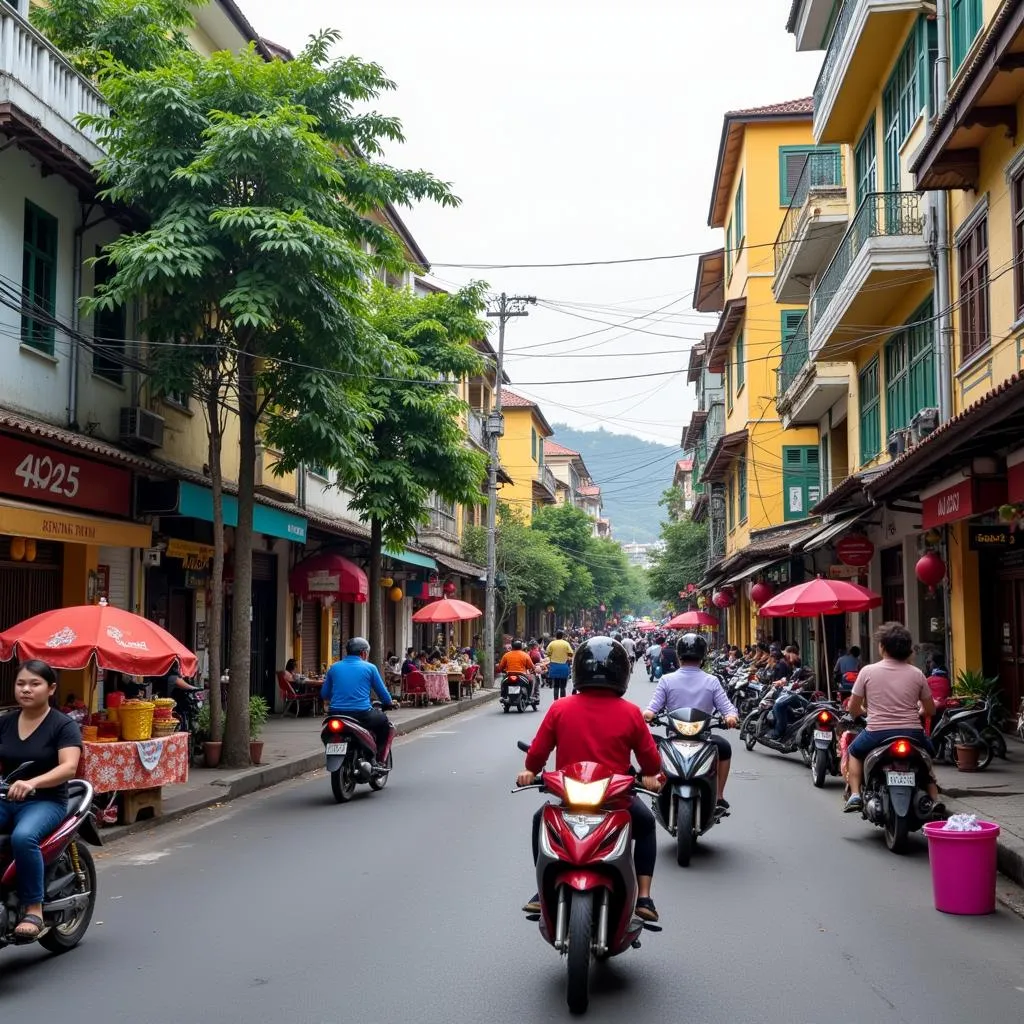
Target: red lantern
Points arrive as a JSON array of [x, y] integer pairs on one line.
[[930, 570], [721, 599], [761, 592], [449, 589]]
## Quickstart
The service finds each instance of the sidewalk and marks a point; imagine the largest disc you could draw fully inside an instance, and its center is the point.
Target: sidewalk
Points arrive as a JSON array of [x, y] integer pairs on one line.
[[291, 747], [996, 794]]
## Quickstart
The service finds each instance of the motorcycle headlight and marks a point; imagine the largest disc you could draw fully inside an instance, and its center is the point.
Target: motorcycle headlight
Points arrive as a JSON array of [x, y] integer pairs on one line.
[[585, 794], [687, 728]]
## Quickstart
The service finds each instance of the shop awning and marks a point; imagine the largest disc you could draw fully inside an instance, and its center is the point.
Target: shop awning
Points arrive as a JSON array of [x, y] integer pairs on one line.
[[327, 574], [18, 520], [729, 448], [830, 532], [411, 558], [461, 568], [752, 570]]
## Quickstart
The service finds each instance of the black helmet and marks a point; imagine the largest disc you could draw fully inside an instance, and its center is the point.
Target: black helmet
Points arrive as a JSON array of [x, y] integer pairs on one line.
[[692, 647], [517, 645], [601, 663]]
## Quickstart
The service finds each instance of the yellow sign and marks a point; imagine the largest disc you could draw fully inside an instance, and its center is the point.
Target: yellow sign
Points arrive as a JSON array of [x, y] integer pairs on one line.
[[17, 520], [192, 555]]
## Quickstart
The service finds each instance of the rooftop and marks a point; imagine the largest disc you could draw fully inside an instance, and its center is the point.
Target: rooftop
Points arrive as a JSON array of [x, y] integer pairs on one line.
[[554, 448]]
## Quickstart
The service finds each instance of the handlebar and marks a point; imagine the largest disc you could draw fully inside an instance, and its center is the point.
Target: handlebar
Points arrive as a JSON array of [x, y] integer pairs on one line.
[[524, 747]]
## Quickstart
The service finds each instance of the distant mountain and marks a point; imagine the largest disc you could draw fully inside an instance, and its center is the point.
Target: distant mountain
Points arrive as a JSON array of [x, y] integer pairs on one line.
[[632, 474]]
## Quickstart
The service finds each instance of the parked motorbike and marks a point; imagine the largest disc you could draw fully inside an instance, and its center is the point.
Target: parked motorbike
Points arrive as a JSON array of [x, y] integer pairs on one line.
[[585, 874], [518, 690], [70, 874], [962, 725], [687, 805], [759, 725], [745, 694], [352, 756], [895, 790], [824, 745]]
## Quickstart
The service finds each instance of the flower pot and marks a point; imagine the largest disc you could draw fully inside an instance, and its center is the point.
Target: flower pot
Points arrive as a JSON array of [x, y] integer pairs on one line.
[[211, 753], [256, 751], [966, 757]]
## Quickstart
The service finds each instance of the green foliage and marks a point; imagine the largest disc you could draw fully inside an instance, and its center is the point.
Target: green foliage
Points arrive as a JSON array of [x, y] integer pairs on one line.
[[259, 712], [680, 562], [568, 530], [672, 501], [975, 685]]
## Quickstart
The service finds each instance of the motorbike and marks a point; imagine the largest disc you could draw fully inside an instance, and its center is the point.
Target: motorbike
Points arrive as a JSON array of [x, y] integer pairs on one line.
[[895, 790], [759, 724], [69, 878], [825, 758], [962, 725], [585, 874], [745, 693], [519, 690], [352, 756], [687, 805]]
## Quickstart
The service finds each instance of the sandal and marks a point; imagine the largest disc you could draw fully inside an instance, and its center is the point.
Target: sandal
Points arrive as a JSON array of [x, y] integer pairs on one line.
[[24, 938]]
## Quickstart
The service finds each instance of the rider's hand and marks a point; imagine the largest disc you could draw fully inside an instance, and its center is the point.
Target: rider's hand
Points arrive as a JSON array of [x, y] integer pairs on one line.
[[525, 778], [649, 716], [19, 791], [652, 782], [731, 721]]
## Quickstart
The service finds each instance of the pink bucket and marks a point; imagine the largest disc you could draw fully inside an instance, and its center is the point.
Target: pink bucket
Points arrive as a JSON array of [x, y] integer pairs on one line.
[[963, 868]]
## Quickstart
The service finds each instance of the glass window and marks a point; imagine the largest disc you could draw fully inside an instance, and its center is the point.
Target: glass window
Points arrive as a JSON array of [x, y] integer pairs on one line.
[[865, 167], [741, 476], [870, 412], [972, 254], [741, 362], [109, 330], [910, 369], [964, 26], [740, 229], [39, 279], [1017, 216]]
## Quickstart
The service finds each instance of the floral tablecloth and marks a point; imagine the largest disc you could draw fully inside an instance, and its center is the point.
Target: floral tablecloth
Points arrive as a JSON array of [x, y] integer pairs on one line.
[[437, 685], [112, 767]]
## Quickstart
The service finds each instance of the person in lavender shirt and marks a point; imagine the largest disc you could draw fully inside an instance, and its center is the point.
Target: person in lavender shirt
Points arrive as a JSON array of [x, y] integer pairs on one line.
[[691, 687]]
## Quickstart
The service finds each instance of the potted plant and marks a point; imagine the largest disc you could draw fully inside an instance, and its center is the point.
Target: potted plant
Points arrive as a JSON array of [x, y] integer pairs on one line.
[[211, 748], [259, 712]]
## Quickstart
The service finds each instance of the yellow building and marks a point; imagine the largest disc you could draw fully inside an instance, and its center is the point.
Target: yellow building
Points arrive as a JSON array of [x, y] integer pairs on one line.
[[763, 473], [521, 450]]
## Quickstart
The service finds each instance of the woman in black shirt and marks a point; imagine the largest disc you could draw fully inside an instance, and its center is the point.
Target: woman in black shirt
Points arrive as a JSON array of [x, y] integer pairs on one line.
[[37, 804]]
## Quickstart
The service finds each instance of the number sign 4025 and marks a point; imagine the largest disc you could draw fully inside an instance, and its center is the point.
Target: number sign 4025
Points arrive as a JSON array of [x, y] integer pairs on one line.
[[43, 473]]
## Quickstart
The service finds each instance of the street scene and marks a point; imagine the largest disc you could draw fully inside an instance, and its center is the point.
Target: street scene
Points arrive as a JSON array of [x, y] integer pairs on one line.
[[512, 518]]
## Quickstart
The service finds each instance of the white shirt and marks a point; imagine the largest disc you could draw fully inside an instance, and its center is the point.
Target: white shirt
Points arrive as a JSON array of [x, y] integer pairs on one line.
[[630, 646]]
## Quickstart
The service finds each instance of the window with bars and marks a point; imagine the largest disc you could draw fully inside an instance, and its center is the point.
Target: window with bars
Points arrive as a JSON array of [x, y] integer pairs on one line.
[[910, 369], [972, 256], [39, 279], [869, 405], [109, 327], [801, 479], [1017, 220], [821, 171], [741, 483], [965, 17]]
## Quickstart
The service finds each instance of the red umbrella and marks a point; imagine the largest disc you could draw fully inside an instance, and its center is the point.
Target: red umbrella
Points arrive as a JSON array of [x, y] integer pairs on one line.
[[684, 619], [447, 609], [820, 597], [70, 638], [646, 627]]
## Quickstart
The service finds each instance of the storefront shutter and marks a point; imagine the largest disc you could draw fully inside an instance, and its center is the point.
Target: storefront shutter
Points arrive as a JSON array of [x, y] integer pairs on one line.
[[119, 564], [310, 636]]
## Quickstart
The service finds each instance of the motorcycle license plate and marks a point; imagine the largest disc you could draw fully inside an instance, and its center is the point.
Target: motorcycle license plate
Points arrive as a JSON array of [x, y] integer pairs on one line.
[[334, 749], [900, 778], [513, 689], [823, 734]]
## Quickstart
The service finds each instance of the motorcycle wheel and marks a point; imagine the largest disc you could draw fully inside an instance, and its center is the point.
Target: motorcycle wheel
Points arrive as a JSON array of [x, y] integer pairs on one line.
[[751, 737], [995, 739], [521, 706], [63, 937], [805, 753], [506, 708], [686, 820], [343, 784], [378, 782], [897, 833], [819, 766], [581, 927]]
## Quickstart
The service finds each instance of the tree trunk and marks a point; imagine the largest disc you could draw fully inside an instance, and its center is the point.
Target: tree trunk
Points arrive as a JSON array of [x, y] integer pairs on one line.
[[376, 636], [236, 732], [215, 612]]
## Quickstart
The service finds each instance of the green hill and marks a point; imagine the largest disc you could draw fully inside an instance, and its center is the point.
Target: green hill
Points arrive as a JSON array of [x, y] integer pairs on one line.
[[632, 473]]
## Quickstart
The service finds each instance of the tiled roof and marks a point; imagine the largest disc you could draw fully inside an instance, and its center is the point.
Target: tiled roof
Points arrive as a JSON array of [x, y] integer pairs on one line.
[[800, 106], [590, 491], [684, 465], [554, 448], [514, 401]]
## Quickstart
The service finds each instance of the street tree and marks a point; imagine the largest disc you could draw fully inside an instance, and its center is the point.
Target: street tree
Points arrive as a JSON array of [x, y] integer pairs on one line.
[[259, 181], [417, 446], [680, 562], [569, 530]]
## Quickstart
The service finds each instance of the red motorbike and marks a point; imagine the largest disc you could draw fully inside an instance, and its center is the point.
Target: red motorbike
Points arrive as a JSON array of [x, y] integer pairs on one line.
[[70, 874], [352, 756], [585, 874]]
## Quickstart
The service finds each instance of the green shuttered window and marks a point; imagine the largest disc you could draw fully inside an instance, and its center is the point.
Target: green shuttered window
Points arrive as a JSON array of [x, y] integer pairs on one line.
[[741, 477], [964, 25], [910, 369], [39, 278], [870, 412], [801, 479]]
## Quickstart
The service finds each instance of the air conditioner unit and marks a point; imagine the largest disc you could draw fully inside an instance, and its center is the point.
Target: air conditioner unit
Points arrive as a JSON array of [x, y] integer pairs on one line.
[[141, 429], [897, 443], [923, 424]]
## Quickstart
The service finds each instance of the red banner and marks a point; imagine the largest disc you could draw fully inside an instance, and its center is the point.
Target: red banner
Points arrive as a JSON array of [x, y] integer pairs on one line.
[[46, 476], [966, 498], [855, 549]]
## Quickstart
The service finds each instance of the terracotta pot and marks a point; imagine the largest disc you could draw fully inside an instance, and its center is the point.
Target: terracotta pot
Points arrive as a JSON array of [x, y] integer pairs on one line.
[[211, 753], [966, 757], [255, 751]]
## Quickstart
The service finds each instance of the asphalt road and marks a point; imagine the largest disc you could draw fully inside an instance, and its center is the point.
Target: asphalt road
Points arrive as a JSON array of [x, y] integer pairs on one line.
[[404, 906]]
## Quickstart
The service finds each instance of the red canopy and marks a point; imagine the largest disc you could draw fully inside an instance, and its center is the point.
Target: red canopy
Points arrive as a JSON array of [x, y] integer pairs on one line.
[[328, 574], [646, 627], [820, 597], [121, 641], [684, 619], [447, 609]]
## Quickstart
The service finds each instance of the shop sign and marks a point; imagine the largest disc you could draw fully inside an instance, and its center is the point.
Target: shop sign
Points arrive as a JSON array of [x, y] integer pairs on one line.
[[323, 582], [194, 557], [33, 473], [855, 549], [44, 524], [196, 579], [843, 572], [961, 500], [197, 502], [991, 538]]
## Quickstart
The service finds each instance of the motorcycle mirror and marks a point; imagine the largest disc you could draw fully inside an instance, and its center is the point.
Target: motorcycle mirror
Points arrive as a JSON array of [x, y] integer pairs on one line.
[[524, 747]]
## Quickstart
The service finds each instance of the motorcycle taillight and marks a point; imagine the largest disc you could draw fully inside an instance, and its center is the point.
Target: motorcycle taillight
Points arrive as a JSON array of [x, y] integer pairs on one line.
[[335, 725]]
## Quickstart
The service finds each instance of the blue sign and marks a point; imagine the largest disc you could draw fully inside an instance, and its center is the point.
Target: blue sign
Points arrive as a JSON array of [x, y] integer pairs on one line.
[[197, 502]]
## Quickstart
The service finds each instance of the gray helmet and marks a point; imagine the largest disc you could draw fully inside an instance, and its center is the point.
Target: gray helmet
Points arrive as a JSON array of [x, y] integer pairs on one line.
[[357, 645]]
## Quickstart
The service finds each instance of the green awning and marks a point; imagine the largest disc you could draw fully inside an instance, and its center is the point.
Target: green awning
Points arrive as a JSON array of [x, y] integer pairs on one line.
[[411, 558]]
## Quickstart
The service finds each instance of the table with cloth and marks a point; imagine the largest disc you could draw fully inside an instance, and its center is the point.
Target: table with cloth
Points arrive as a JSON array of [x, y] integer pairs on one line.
[[437, 685]]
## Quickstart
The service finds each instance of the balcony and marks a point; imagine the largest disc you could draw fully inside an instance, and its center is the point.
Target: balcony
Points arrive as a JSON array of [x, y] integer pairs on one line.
[[812, 228], [545, 486], [715, 426], [866, 38], [809, 22], [41, 95], [475, 427], [807, 390], [883, 251]]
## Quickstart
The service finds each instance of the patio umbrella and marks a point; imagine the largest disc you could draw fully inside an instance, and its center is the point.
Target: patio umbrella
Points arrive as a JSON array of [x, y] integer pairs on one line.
[[684, 619], [447, 609], [646, 627]]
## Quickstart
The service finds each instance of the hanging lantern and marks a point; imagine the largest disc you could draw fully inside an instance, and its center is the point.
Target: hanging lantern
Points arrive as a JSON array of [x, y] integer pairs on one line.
[[760, 592], [17, 549], [449, 589], [722, 599], [30, 549], [702, 601], [395, 594], [930, 570], [386, 582]]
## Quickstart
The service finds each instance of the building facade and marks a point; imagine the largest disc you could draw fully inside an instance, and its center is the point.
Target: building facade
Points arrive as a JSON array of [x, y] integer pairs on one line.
[[521, 451]]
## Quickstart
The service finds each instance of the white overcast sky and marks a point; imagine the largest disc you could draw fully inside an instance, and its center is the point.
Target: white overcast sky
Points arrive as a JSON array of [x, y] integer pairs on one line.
[[572, 130]]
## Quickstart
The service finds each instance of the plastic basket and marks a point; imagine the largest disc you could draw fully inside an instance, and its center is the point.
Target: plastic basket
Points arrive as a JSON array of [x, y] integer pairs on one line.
[[164, 702], [136, 720], [165, 727]]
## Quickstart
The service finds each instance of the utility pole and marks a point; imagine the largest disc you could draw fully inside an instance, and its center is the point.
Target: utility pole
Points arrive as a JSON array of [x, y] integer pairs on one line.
[[507, 306]]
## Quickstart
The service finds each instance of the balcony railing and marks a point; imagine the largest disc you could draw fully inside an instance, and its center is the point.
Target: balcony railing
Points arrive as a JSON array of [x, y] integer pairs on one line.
[[547, 478], [794, 356], [835, 45], [820, 170], [880, 214], [441, 518], [475, 426]]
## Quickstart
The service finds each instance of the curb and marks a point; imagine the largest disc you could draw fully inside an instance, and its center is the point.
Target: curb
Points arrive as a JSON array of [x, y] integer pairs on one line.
[[1009, 854], [251, 780]]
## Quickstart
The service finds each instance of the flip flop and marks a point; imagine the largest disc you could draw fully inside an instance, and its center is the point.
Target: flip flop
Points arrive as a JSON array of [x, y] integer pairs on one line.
[[20, 938]]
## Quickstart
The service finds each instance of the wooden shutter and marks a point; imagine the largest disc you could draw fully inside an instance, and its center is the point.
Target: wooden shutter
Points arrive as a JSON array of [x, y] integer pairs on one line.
[[791, 321], [793, 165], [801, 479]]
